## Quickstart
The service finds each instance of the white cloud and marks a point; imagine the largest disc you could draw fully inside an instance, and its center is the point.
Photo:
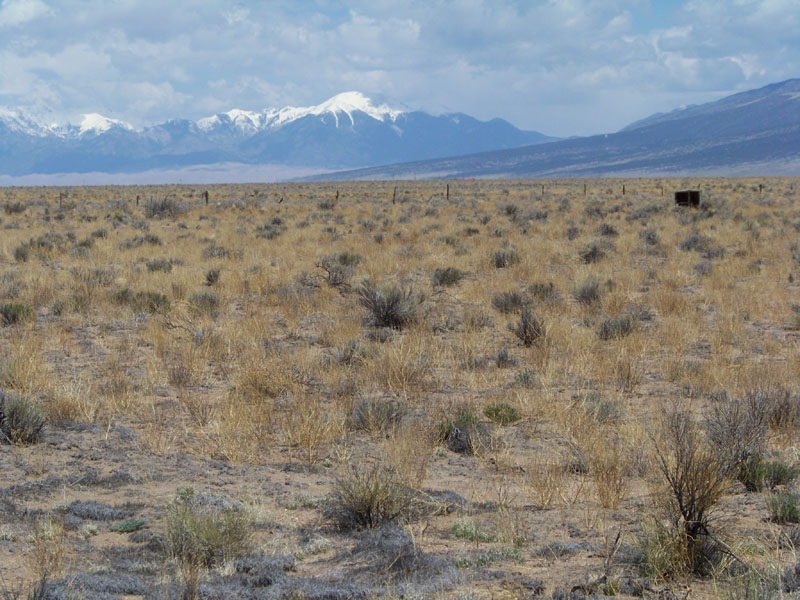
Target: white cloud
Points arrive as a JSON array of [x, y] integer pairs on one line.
[[17, 12], [561, 66]]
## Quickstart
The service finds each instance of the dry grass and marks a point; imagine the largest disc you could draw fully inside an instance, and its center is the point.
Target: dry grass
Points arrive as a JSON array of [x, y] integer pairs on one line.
[[626, 305]]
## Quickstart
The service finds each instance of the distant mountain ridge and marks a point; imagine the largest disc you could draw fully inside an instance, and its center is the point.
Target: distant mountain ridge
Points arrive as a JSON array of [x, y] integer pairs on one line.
[[347, 130], [756, 132]]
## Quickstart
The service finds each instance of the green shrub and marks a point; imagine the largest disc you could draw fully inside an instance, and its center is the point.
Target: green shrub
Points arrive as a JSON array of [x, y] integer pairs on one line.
[[447, 276], [525, 377], [588, 292], [783, 507], [367, 497], [21, 420], [74, 303], [501, 413], [128, 526], [755, 473], [347, 259], [12, 313], [467, 529], [203, 532], [388, 306], [603, 410]]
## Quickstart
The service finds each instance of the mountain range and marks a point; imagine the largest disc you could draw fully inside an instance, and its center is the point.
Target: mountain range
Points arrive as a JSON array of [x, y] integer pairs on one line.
[[756, 132], [350, 137], [348, 130]]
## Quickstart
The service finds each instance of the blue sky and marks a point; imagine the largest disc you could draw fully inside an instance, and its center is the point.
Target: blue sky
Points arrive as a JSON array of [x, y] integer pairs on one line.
[[563, 67]]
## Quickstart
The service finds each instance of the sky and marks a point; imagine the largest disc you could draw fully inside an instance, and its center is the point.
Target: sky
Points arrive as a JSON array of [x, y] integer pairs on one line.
[[562, 67]]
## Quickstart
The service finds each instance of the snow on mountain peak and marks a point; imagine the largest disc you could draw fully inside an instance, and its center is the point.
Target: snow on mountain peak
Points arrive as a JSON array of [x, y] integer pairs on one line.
[[346, 102], [25, 123], [245, 120], [97, 124]]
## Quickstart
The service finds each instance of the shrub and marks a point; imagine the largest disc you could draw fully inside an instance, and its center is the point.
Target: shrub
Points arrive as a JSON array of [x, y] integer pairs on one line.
[[164, 207], [756, 473], [603, 410], [509, 302], [501, 413], [347, 259], [12, 313], [464, 433], [339, 268], [467, 529], [14, 208], [159, 264], [128, 526], [591, 253], [649, 236], [388, 306], [737, 429], [269, 231], [544, 292], [142, 301], [694, 480], [616, 327], [205, 302], [203, 531], [214, 251], [783, 507], [505, 258], [447, 276], [212, 277], [21, 420], [607, 230], [529, 329], [588, 292], [367, 497], [22, 253], [503, 359], [375, 415]]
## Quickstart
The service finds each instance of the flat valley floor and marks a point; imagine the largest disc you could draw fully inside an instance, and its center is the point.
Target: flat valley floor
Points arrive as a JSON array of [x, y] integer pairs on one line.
[[475, 389]]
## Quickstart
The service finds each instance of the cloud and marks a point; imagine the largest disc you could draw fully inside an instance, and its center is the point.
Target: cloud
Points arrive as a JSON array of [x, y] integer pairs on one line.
[[561, 66], [17, 12]]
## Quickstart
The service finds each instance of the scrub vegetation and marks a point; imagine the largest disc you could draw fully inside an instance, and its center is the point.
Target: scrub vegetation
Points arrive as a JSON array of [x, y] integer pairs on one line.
[[496, 389]]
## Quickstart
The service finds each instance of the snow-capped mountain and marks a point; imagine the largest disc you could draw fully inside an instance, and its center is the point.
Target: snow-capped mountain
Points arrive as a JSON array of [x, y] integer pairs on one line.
[[751, 133], [348, 130]]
